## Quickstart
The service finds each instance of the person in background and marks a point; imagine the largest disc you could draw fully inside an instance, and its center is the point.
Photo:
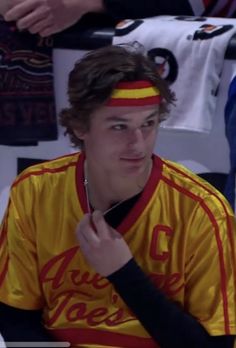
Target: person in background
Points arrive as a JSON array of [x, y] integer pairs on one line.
[[47, 17], [113, 246]]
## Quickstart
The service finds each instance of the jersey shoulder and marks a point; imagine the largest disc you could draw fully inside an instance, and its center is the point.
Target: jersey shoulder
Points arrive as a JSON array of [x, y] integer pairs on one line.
[[41, 170], [186, 182]]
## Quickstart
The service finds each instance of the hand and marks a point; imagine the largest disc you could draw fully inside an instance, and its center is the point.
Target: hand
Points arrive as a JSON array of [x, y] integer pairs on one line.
[[103, 247], [3, 6], [47, 17]]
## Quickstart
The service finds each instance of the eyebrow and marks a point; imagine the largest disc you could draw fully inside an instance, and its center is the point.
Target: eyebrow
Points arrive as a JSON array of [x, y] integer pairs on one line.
[[121, 119]]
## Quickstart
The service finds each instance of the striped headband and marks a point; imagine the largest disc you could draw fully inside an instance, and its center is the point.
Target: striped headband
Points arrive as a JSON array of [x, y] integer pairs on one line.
[[134, 93]]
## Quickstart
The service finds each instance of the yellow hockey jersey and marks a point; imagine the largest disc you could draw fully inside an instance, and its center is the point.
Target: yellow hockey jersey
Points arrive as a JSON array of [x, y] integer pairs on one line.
[[181, 232]]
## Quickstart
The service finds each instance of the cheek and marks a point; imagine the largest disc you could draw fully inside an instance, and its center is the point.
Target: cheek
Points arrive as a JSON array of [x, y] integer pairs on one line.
[[150, 142], [153, 137], [114, 141], [150, 136], [107, 146]]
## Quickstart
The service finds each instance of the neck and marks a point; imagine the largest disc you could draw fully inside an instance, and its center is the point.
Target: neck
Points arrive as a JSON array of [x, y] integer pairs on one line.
[[103, 190]]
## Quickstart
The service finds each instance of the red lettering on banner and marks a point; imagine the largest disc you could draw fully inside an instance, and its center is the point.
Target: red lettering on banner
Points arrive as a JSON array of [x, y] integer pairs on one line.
[[26, 113], [7, 114], [43, 114], [23, 113]]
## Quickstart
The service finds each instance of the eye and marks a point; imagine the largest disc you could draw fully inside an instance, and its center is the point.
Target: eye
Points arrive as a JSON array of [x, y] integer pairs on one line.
[[119, 127], [149, 123]]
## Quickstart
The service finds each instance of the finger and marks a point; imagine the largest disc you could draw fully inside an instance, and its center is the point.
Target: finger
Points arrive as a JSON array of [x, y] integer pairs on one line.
[[115, 233], [102, 228], [87, 232], [83, 243], [48, 31], [13, 3], [39, 26], [18, 11], [83, 226], [32, 19]]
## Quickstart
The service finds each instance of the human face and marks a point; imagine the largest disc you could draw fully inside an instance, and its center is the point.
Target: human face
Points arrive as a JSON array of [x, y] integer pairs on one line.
[[120, 140]]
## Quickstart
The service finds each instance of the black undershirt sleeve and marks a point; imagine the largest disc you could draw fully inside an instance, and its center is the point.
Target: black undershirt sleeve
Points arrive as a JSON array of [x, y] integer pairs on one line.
[[121, 9], [164, 320], [19, 325]]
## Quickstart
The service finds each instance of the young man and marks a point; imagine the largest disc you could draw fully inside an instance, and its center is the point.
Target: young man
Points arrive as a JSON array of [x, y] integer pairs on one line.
[[114, 246]]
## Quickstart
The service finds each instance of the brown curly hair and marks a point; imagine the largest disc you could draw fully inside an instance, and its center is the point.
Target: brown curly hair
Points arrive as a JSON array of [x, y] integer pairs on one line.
[[93, 79]]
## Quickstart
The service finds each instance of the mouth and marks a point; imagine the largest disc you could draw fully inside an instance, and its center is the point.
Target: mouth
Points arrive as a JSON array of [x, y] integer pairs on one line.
[[132, 159]]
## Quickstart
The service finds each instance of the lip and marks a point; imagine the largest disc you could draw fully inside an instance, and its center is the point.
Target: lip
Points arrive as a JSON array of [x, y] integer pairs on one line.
[[133, 159]]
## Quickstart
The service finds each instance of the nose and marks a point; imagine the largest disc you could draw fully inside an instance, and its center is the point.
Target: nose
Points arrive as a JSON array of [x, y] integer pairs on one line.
[[136, 138]]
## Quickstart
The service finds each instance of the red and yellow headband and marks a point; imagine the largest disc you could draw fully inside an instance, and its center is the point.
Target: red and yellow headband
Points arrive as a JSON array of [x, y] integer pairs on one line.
[[134, 93]]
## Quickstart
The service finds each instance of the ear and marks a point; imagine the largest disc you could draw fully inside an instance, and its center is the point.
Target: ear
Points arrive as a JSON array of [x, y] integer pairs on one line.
[[79, 133]]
